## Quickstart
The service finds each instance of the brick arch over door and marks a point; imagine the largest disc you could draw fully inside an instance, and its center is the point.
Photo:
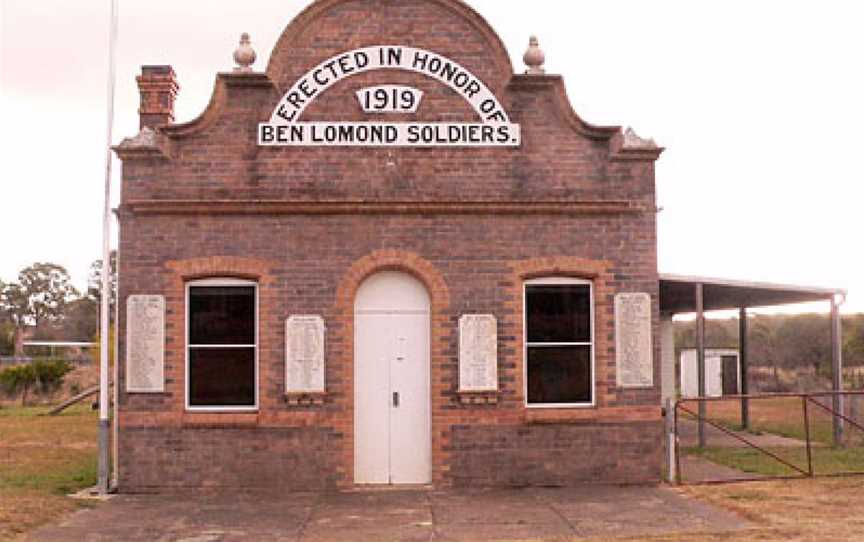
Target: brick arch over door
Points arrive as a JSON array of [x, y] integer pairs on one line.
[[343, 347]]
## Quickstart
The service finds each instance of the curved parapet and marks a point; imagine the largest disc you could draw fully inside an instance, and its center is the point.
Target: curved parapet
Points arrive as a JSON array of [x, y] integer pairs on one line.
[[401, 18]]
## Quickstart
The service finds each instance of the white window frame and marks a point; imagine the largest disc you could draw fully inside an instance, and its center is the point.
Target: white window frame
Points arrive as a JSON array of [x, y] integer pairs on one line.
[[222, 282], [557, 281]]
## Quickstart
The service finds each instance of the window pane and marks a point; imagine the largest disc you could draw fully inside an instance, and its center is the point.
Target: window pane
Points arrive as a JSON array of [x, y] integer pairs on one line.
[[221, 315], [559, 374], [222, 377], [558, 313]]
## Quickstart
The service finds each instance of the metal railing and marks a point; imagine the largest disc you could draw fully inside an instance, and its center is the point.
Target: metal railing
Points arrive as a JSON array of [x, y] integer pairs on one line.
[[8, 361], [766, 436]]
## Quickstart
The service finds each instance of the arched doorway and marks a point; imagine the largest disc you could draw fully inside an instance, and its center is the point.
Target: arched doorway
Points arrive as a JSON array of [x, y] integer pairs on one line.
[[392, 434]]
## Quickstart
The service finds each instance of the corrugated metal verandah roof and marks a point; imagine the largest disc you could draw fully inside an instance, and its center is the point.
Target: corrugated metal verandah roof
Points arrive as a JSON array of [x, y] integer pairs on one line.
[[678, 294]]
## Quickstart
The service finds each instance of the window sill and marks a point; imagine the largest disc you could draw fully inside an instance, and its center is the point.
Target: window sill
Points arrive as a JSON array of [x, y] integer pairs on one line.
[[478, 397], [218, 419], [305, 399], [592, 415], [560, 406]]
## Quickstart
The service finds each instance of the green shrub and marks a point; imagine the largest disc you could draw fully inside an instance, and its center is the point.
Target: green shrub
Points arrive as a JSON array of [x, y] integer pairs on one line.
[[18, 379], [45, 375], [50, 374]]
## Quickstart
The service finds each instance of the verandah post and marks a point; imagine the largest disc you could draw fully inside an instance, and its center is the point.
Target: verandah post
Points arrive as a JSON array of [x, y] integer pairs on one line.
[[743, 368], [700, 357], [837, 370]]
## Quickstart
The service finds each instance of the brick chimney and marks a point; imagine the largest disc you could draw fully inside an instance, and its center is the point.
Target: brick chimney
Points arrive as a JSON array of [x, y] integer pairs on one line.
[[158, 87]]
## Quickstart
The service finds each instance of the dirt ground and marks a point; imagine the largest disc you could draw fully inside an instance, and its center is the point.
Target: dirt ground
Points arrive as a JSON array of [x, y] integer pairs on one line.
[[825, 509]]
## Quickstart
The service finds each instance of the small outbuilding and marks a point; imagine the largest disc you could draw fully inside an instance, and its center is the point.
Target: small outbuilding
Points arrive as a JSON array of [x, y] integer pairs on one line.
[[722, 368]]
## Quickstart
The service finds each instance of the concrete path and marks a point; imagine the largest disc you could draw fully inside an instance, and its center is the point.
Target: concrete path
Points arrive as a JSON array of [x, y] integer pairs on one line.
[[535, 514]]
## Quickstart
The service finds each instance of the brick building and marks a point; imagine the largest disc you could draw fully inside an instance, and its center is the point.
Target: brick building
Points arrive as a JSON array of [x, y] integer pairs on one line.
[[386, 259]]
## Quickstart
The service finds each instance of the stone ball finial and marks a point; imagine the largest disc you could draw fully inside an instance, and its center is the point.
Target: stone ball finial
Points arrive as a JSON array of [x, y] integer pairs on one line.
[[534, 57], [244, 55]]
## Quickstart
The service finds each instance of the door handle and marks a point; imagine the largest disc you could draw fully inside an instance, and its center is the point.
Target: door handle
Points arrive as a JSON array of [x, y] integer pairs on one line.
[[396, 399]]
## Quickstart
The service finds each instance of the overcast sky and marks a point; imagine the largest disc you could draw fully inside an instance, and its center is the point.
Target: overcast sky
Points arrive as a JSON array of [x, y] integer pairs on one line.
[[760, 106]]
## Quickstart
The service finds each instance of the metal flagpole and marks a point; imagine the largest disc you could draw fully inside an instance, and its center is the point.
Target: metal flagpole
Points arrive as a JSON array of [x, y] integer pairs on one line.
[[104, 428]]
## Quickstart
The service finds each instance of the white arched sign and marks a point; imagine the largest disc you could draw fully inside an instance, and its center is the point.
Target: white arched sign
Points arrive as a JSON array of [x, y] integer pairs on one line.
[[285, 129]]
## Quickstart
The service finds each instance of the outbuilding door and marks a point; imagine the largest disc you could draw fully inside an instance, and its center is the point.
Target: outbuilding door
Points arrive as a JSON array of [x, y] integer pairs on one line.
[[730, 375], [392, 438]]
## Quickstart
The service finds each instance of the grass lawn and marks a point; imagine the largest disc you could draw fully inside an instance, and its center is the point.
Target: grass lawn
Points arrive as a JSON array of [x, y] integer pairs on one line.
[[782, 416], [825, 460], [43, 458]]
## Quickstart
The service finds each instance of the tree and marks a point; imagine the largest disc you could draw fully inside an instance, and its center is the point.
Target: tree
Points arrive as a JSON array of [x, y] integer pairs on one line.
[[94, 282], [805, 339], [79, 323], [96, 352], [853, 340], [40, 295], [762, 348], [7, 339], [722, 333]]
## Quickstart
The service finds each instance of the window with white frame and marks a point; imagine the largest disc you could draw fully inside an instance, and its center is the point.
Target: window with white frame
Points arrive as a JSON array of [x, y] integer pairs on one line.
[[559, 342], [222, 339]]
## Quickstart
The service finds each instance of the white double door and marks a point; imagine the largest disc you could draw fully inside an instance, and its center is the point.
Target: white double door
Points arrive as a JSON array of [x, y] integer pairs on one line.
[[392, 437]]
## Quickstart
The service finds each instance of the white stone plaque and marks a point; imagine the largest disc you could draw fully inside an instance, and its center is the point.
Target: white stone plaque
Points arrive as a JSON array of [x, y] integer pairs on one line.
[[304, 355], [478, 353], [145, 344], [633, 346]]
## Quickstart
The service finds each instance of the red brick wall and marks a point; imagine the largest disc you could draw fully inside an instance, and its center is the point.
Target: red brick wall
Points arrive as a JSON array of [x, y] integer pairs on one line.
[[228, 456], [217, 205], [555, 454]]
